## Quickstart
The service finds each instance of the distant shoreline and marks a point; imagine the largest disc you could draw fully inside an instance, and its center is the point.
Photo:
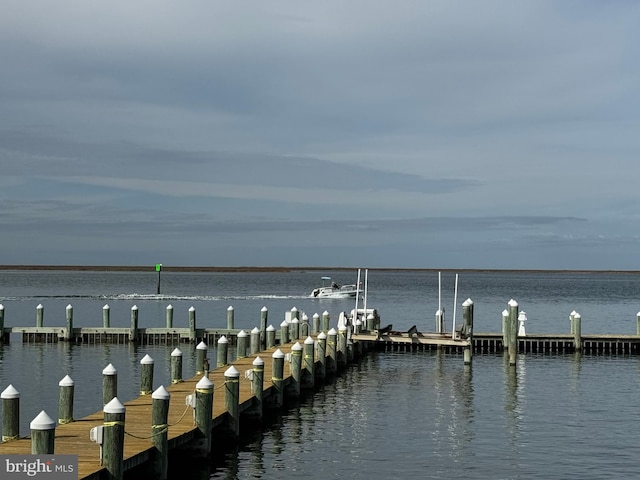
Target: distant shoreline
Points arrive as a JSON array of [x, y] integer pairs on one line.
[[274, 269]]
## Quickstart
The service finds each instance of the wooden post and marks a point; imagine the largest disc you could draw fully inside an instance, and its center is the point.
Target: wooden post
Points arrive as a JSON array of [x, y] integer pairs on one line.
[[39, 316], [241, 348], [204, 412], [223, 347], [304, 326], [294, 328], [321, 354], [146, 375], [505, 330], [277, 377], [296, 370], [232, 400], [341, 353], [230, 318], [10, 413], [257, 385], [577, 332], [572, 328], [68, 334], [315, 327], [201, 354], [43, 434], [133, 331], [271, 336], [295, 314], [176, 366], [307, 377], [637, 323], [326, 318], [1, 324], [255, 340], [192, 324], [109, 384], [513, 332], [65, 403], [332, 359], [264, 315], [159, 432], [169, 316], [113, 439], [467, 326], [106, 313], [284, 333]]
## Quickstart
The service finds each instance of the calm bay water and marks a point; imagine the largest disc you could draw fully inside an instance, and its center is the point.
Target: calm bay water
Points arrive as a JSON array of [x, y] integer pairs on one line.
[[403, 415]]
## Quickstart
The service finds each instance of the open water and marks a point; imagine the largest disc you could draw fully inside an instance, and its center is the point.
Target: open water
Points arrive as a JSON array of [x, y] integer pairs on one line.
[[403, 415]]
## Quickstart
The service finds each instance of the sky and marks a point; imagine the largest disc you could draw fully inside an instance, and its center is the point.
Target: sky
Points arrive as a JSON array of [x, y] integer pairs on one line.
[[416, 134]]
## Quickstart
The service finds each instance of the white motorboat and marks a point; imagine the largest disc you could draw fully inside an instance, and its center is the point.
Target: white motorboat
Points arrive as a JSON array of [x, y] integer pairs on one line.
[[331, 289]]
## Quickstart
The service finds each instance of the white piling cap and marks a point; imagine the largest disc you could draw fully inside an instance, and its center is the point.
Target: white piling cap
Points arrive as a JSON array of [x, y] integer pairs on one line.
[[160, 393], [264, 309], [42, 422], [242, 333], [114, 406], [10, 392], [201, 346], [573, 313], [232, 372], [169, 307], [255, 330], [109, 370], [69, 307], [505, 313], [271, 328], [146, 360], [1, 307], [342, 328], [295, 320], [322, 336], [67, 381], [106, 306], [294, 309], [325, 313], [39, 306], [222, 339], [577, 315], [192, 308], [316, 315], [176, 352], [513, 303], [309, 341], [637, 314], [370, 316], [204, 384], [305, 316], [332, 332], [278, 354], [296, 346], [258, 362], [284, 324], [438, 312], [358, 322], [135, 307], [467, 303], [230, 308]]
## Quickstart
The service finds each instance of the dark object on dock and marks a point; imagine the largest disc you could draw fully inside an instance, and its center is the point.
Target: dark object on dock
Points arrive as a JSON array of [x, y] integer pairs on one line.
[[412, 331], [385, 330]]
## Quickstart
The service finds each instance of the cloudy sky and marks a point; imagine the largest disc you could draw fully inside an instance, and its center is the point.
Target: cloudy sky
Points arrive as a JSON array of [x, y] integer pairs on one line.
[[427, 134]]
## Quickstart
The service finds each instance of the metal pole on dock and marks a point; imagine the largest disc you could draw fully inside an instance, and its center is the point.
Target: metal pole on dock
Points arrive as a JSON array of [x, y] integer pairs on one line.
[[284, 332], [43, 433], [264, 316], [307, 376], [68, 335], [315, 327], [146, 375], [230, 318], [133, 331], [241, 344], [204, 411], [257, 385], [332, 359], [513, 331], [10, 413], [271, 336], [106, 316], [65, 404], [296, 370], [159, 431], [169, 316], [321, 353], [113, 440], [176, 366], [577, 332], [223, 348], [39, 316], [109, 384], [277, 377], [255, 340], [232, 399], [326, 320], [201, 354], [192, 324]]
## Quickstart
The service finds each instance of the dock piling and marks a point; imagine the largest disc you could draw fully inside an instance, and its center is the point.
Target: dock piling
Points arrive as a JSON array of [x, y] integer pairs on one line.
[[10, 413], [68, 334], [223, 348], [201, 354], [113, 444], [43, 433], [577, 332], [513, 332], [326, 319], [204, 412], [106, 316], [257, 386], [192, 324], [146, 375], [307, 376], [232, 400], [2, 324], [241, 344], [294, 328], [109, 383], [176, 365], [304, 326], [271, 336], [169, 316], [284, 332], [277, 377], [230, 318], [315, 323], [39, 316], [264, 316], [321, 355], [133, 332], [332, 359], [296, 370], [65, 404], [159, 431], [255, 340]]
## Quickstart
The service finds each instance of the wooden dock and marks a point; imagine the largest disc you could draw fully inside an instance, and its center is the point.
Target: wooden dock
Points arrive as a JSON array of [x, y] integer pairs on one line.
[[73, 437]]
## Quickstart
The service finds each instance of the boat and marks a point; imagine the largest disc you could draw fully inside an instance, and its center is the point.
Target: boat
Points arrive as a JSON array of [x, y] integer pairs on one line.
[[330, 289]]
